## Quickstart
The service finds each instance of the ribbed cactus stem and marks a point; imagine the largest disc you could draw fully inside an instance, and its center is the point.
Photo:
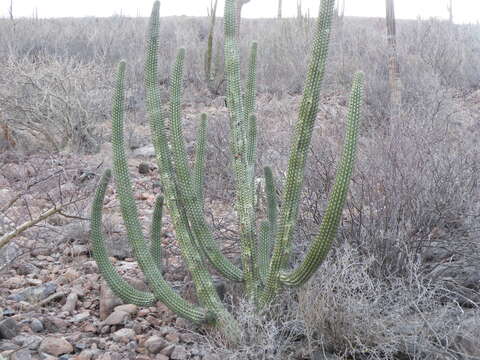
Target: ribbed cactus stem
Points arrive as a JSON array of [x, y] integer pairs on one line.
[[161, 290], [119, 286], [272, 206], [199, 169], [299, 148], [328, 229], [264, 249], [156, 232], [187, 195], [238, 128], [171, 179]]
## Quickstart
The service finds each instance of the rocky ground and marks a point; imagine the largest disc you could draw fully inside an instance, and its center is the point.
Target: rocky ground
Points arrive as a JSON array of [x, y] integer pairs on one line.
[[53, 303]]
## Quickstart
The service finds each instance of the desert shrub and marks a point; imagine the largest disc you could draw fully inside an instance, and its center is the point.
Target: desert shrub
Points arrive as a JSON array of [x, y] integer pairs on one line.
[[348, 312]]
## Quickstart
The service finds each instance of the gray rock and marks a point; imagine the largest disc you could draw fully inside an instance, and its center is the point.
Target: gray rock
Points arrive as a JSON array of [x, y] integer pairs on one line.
[[23, 354], [117, 318], [123, 335], [108, 301], [78, 318], [25, 269], [55, 346], [71, 302], [7, 345], [128, 308], [145, 151], [155, 344], [8, 328], [75, 232], [31, 342], [35, 293], [36, 325], [167, 351]]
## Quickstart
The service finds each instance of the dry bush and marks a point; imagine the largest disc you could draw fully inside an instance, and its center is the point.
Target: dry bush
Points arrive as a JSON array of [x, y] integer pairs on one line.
[[274, 335], [51, 104], [348, 312]]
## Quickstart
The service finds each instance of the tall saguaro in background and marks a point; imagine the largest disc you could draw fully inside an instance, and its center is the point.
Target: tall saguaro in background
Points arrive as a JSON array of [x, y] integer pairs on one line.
[[393, 64], [340, 12], [279, 14], [10, 10]]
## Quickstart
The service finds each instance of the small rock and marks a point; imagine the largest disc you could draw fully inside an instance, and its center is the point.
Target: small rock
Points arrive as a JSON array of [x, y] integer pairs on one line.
[[162, 357], [145, 151], [155, 344], [181, 323], [89, 328], [70, 303], [55, 346], [87, 354], [123, 335], [179, 353], [53, 324], [40, 251], [78, 250], [173, 338], [128, 308], [31, 342], [34, 294], [108, 301], [22, 354], [116, 318], [36, 325], [8, 328], [25, 269], [187, 338], [167, 351], [81, 317], [7, 345], [71, 275]]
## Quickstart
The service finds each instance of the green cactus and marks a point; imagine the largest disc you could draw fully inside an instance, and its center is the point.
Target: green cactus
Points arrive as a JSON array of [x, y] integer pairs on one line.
[[212, 13], [264, 254]]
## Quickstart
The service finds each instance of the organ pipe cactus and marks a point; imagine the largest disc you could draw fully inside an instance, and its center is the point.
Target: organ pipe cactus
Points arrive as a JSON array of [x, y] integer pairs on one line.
[[264, 253]]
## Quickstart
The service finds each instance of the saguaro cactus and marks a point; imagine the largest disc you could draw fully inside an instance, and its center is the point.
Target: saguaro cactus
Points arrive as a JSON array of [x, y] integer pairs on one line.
[[393, 64], [264, 254]]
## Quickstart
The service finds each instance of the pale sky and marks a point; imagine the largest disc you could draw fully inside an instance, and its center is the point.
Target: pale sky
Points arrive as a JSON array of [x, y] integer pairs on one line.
[[465, 11]]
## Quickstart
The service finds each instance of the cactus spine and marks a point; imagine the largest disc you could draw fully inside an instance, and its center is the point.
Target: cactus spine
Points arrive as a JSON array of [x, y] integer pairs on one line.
[[264, 254]]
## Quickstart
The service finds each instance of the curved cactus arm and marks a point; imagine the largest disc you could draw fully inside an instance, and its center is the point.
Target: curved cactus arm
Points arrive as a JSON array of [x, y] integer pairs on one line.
[[199, 168], [156, 233], [119, 286], [244, 189], [205, 289], [264, 249], [328, 229], [299, 148], [186, 192], [157, 284]]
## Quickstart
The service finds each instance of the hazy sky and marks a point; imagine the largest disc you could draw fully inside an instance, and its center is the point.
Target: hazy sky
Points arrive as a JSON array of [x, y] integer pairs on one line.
[[464, 10]]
